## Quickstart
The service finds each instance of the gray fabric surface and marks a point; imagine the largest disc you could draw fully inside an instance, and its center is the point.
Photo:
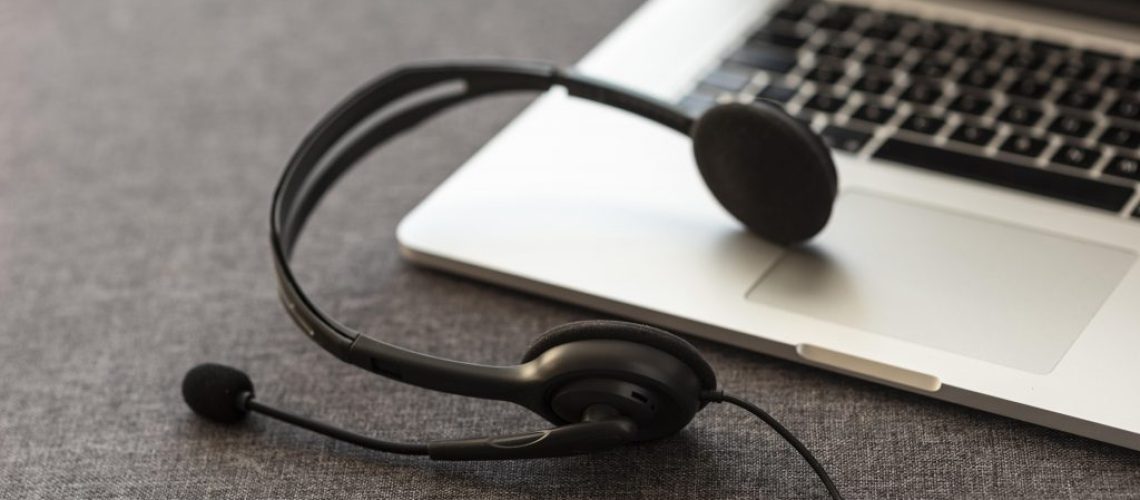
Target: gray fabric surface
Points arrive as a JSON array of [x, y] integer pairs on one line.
[[139, 143]]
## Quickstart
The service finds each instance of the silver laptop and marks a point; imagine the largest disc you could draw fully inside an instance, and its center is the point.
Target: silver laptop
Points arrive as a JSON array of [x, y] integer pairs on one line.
[[983, 248]]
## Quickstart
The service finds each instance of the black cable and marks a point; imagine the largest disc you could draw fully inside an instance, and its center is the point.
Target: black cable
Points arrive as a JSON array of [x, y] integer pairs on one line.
[[720, 397], [422, 449], [335, 433]]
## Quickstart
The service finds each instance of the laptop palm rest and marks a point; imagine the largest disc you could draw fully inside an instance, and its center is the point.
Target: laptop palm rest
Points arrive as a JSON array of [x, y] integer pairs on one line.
[[992, 291]]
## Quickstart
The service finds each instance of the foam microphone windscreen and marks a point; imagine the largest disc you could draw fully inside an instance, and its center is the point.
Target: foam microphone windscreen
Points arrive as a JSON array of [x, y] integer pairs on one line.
[[767, 169], [212, 390]]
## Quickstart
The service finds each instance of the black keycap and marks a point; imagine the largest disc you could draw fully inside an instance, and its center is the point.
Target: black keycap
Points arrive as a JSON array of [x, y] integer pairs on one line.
[[1124, 137], [889, 47], [1123, 166], [973, 134], [1123, 80], [1076, 156], [777, 93], [1048, 47], [825, 103], [727, 79], [932, 67], [1020, 114], [977, 48], [922, 93], [874, 113], [998, 39], [1028, 87], [826, 73], [1126, 108], [929, 38], [1071, 126], [1079, 99], [695, 104], [804, 119], [835, 51], [1027, 59], [1032, 180], [884, 28], [874, 83], [1024, 145], [838, 47], [971, 104], [777, 38], [923, 124], [793, 11], [882, 60], [979, 77], [840, 19], [952, 29], [901, 19], [768, 60], [844, 138], [1074, 70], [1096, 57]]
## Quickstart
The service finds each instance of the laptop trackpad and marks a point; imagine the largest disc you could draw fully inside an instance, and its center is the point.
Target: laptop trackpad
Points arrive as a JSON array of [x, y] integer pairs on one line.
[[984, 289]]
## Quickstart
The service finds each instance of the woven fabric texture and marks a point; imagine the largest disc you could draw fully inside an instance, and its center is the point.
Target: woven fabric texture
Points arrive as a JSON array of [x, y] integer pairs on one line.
[[139, 144]]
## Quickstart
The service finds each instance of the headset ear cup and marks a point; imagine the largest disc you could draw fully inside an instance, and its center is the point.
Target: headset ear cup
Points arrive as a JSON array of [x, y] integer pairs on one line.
[[771, 172], [630, 332]]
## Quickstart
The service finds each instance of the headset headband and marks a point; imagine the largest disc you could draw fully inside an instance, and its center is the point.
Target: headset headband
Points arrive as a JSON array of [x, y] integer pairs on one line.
[[308, 176], [603, 383]]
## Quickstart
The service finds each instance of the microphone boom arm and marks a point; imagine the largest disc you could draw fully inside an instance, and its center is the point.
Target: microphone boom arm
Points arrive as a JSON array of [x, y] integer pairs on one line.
[[246, 401]]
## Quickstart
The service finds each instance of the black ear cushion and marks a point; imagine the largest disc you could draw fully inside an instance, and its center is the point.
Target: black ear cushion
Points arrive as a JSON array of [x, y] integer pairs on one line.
[[632, 332], [767, 169]]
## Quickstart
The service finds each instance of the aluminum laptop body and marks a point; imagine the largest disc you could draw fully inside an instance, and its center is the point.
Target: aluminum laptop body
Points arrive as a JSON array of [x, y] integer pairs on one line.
[[1013, 299]]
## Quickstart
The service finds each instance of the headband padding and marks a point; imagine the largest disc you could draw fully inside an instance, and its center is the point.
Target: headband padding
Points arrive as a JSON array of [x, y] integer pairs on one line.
[[630, 332]]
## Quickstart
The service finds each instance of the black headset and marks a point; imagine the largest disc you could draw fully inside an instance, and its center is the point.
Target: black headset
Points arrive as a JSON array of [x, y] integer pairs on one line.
[[601, 383]]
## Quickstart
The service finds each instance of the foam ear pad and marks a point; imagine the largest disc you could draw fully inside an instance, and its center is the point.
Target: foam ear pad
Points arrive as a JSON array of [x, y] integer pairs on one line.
[[632, 332], [767, 169]]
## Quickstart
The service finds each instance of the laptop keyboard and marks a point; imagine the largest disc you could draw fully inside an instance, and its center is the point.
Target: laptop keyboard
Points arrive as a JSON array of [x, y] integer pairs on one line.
[[1033, 115]]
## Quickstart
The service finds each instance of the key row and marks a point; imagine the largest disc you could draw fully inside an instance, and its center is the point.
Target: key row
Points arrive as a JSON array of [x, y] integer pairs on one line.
[[976, 44], [1015, 113], [925, 88]]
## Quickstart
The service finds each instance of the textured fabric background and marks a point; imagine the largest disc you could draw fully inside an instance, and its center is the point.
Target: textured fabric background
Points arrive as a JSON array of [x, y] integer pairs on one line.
[[139, 143]]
